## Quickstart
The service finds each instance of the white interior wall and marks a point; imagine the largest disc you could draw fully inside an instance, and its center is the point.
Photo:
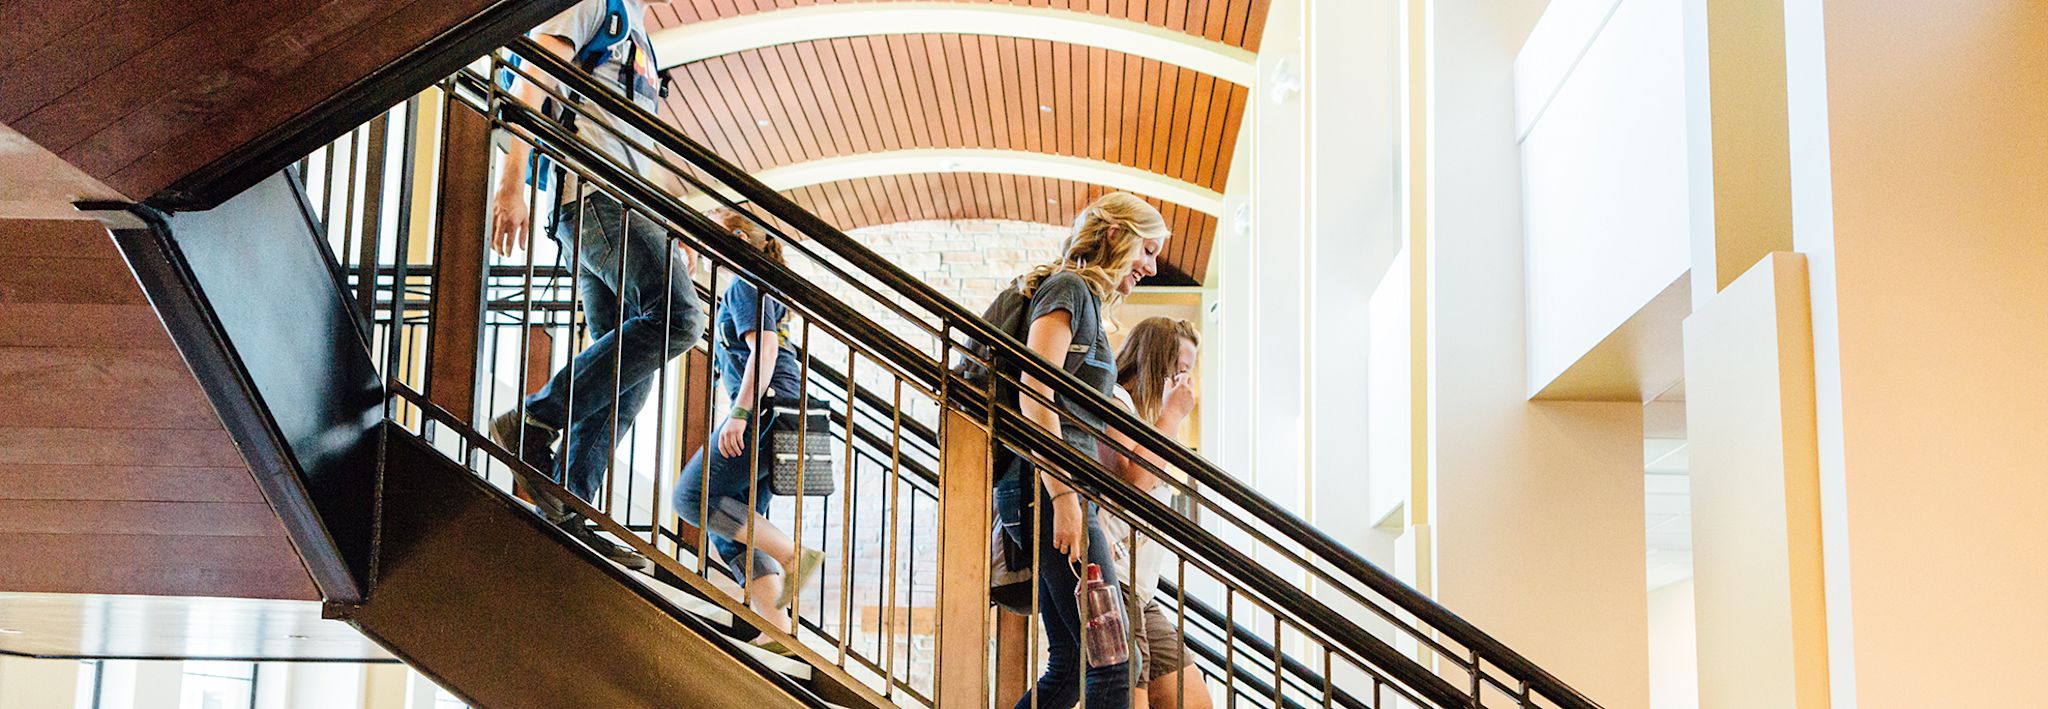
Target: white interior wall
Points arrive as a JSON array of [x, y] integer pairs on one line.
[[1674, 652], [1606, 178]]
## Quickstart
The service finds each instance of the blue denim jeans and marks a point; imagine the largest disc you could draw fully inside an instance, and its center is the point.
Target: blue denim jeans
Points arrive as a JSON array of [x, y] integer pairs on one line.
[[1060, 687], [724, 483], [642, 310]]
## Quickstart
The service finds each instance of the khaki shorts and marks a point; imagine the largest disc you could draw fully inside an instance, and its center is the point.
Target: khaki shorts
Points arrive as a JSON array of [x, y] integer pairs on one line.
[[1160, 650]]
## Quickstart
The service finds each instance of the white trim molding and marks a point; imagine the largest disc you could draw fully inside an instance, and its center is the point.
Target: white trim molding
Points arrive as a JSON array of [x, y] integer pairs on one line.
[[1001, 162], [698, 41]]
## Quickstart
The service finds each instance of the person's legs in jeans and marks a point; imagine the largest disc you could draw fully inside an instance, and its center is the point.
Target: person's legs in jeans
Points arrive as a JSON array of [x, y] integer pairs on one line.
[[1107, 687], [717, 485], [658, 316]]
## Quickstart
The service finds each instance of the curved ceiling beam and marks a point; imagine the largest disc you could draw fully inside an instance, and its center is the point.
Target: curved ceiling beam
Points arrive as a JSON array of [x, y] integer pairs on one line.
[[698, 41], [1003, 162]]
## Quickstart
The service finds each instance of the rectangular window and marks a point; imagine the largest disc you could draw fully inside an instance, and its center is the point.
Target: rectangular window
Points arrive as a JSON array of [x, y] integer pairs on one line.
[[211, 684], [91, 679]]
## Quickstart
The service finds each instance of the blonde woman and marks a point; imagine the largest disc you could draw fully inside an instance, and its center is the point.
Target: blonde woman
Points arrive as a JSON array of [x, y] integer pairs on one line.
[[1155, 380], [1116, 242]]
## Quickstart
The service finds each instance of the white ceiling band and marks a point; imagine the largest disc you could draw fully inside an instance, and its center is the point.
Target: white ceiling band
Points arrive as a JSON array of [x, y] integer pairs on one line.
[[1001, 162], [702, 40]]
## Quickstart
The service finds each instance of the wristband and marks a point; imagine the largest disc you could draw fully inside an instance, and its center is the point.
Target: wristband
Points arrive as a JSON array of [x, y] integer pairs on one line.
[[740, 413], [1056, 498]]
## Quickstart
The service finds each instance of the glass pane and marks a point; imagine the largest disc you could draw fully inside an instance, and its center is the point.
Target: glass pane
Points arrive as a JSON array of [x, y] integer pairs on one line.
[[218, 685]]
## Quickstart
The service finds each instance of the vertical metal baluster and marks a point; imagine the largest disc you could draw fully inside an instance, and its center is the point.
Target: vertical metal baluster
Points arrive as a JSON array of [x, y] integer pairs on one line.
[[373, 211], [533, 219], [1329, 679], [349, 224], [606, 480], [1180, 609], [1523, 695], [752, 432], [1278, 683], [803, 466], [1477, 674], [846, 519], [575, 343], [395, 328], [1229, 647], [711, 378], [891, 544], [326, 203], [1377, 703], [660, 392]]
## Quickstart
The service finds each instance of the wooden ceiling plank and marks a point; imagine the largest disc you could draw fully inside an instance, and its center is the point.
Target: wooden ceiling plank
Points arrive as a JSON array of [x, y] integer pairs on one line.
[[1216, 160], [1183, 110], [940, 79], [763, 93], [889, 125], [710, 108], [813, 90], [867, 111], [903, 95], [1098, 115], [1060, 88], [1198, 128], [1016, 115], [1127, 108], [795, 88], [1255, 23], [737, 90], [1235, 20], [907, 54], [965, 106], [844, 99], [1163, 117], [973, 55]]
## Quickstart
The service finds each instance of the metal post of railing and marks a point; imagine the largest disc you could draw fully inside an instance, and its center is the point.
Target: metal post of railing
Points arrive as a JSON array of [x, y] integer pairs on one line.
[[965, 496]]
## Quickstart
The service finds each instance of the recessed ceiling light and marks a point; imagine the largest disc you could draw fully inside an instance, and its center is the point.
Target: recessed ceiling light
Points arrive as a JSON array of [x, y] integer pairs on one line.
[[1051, 200], [298, 637], [764, 123], [1042, 108], [11, 631]]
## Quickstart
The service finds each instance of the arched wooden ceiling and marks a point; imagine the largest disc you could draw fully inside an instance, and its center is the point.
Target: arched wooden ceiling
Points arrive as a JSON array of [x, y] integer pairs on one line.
[[797, 102]]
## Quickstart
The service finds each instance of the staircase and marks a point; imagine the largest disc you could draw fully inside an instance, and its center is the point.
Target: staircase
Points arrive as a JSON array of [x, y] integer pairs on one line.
[[346, 321]]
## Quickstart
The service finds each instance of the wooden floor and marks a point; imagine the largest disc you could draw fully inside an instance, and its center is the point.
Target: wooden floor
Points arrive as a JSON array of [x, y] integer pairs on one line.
[[116, 477]]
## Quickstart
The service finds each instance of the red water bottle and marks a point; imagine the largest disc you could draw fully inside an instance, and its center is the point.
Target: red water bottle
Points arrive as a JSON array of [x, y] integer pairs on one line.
[[1103, 608]]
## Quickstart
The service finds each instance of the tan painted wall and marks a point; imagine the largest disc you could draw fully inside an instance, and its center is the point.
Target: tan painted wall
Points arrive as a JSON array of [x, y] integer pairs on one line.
[[1755, 492], [1537, 506], [37, 683], [1939, 142]]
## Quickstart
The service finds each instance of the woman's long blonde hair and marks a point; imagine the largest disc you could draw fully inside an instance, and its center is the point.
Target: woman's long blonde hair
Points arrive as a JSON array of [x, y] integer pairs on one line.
[[1150, 356], [1106, 233]]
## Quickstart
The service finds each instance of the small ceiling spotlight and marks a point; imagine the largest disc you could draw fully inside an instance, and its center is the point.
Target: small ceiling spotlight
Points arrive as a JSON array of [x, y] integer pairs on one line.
[[764, 123], [1052, 200], [298, 637], [1042, 108]]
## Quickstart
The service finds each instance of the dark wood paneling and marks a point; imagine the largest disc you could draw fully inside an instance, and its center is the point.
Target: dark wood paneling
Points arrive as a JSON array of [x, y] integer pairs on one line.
[[60, 238], [135, 483], [459, 261], [117, 446], [154, 564], [170, 519], [115, 473], [68, 280], [142, 93], [84, 325]]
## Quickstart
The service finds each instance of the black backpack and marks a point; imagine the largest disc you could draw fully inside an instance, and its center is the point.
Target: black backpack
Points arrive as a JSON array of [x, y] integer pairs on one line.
[[1007, 314]]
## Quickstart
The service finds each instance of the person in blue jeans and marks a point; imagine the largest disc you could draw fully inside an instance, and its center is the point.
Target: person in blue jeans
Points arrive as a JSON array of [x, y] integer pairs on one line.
[[638, 301], [1116, 242], [724, 489]]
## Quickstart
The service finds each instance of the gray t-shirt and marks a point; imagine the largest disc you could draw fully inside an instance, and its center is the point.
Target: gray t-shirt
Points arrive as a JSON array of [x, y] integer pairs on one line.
[[629, 68], [1088, 357]]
